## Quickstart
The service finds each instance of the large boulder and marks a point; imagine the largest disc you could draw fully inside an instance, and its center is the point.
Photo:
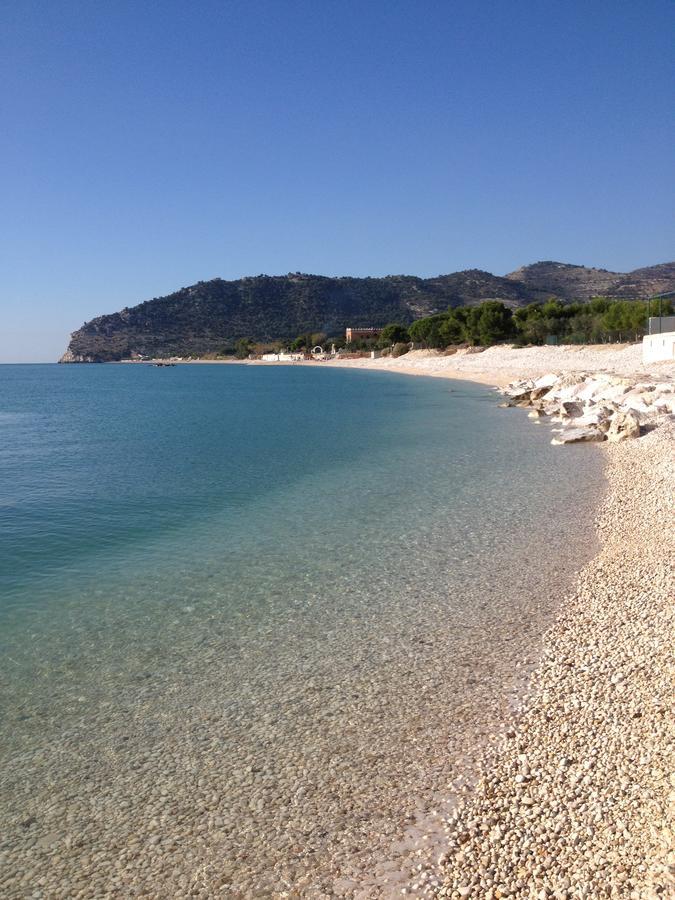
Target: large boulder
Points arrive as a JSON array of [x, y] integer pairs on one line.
[[547, 381], [613, 392], [638, 400], [573, 435], [571, 409], [590, 389], [566, 392], [594, 417], [624, 425], [518, 392]]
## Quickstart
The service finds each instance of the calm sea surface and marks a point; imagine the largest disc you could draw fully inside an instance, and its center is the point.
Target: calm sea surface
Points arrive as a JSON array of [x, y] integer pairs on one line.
[[251, 617]]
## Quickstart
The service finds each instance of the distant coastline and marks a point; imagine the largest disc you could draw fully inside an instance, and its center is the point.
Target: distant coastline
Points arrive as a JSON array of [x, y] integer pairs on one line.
[[215, 317], [497, 366]]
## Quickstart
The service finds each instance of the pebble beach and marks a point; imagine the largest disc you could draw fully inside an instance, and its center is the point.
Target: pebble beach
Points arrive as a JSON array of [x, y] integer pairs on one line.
[[578, 802], [502, 364], [577, 799]]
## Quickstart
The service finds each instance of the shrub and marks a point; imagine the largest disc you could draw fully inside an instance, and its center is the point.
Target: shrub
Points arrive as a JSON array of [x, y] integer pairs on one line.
[[399, 349]]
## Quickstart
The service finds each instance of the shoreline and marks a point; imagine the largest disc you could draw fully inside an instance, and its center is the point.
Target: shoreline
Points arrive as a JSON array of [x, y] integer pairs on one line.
[[286, 749], [495, 366], [500, 365], [575, 802], [573, 799]]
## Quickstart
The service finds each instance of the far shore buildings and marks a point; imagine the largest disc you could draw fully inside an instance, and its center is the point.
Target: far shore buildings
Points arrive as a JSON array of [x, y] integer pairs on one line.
[[361, 334], [283, 357]]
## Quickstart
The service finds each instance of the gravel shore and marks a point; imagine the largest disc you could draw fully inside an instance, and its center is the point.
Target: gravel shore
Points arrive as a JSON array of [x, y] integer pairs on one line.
[[578, 801], [502, 364]]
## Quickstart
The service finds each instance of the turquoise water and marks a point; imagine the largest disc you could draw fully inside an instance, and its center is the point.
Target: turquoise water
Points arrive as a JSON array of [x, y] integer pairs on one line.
[[262, 608]]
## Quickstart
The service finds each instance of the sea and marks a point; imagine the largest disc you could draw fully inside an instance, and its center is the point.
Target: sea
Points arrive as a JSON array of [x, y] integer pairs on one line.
[[257, 623]]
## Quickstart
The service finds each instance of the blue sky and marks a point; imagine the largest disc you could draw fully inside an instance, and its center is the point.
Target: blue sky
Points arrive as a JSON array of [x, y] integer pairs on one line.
[[146, 146]]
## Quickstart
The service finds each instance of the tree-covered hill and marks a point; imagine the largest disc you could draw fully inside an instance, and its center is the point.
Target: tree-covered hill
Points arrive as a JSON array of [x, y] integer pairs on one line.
[[211, 316]]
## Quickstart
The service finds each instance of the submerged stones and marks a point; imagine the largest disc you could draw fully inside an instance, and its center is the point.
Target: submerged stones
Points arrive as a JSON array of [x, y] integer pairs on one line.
[[594, 407]]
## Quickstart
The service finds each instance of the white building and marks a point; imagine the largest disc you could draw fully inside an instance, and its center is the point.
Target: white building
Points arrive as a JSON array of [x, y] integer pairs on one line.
[[283, 357]]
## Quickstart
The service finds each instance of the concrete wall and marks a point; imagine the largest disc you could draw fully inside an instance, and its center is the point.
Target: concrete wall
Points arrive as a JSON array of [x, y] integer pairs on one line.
[[659, 324], [658, 347]]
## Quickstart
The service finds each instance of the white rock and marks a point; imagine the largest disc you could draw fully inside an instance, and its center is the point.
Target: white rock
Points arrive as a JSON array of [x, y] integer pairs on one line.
[[572, 435], [547, 380], [623, 425]]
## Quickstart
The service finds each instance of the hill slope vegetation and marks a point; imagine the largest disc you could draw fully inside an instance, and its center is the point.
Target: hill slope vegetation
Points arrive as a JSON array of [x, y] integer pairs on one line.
[[211, 316]]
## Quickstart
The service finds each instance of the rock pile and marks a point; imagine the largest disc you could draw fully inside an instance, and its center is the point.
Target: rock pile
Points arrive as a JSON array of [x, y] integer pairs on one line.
[[594, 407]]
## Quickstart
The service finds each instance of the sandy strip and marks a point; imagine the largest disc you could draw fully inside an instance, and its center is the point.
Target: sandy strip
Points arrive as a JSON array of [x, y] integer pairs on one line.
[[496, 366]]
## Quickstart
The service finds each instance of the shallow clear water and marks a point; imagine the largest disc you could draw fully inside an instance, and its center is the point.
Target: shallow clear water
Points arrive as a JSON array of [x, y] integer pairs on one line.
[[256, 613]]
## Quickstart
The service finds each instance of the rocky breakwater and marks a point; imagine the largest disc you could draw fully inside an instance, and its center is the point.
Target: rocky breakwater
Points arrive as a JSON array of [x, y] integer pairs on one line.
[[594, 407]]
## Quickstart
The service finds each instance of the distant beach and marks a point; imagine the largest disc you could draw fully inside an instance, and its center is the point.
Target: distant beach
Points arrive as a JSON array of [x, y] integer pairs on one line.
[[496, 366]]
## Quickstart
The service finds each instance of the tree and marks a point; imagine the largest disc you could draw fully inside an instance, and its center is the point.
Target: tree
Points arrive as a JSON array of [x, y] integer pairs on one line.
[[494, 323], [452, 330], [394, 334], [625, 319], [242, 348], [429, 331], [599, 304]]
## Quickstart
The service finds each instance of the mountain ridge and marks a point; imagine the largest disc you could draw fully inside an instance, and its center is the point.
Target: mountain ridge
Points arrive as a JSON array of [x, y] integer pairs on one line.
[[210, 316]]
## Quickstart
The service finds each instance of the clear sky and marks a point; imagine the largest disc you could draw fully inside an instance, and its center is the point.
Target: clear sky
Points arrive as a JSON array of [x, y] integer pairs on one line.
[[147, 145]]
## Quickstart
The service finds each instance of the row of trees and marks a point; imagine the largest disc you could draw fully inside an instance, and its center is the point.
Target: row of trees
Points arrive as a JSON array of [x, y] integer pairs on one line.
[[600, 320]]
